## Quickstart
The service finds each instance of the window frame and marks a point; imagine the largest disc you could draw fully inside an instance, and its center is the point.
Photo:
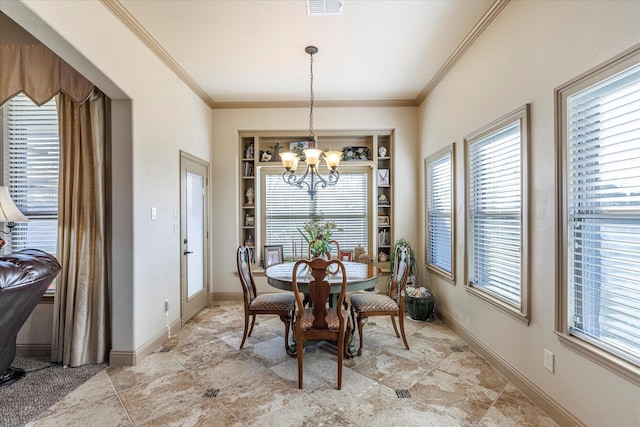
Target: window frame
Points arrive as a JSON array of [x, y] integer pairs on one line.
[[449, 150], [521, 313], [345, 169], [34, 216], [597, 354]]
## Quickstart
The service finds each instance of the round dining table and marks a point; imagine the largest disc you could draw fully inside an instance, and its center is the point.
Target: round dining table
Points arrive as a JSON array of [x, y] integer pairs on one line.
[[359, 276]]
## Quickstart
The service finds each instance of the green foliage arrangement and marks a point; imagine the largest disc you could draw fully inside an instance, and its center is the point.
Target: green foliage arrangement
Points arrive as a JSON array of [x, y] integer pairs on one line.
[[319, 232], [412, 259]]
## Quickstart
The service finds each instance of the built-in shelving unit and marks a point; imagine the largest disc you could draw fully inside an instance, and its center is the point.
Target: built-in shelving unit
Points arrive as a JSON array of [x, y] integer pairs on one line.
[[370, 148], [248, 186], [384, 197]]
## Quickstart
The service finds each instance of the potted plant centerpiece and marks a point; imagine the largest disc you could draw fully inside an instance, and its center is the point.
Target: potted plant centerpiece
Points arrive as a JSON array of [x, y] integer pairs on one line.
[[419, 302], [318, 232]]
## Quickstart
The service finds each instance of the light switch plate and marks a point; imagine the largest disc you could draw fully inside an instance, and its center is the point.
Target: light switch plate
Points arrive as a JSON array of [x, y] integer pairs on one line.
[[548, 360]]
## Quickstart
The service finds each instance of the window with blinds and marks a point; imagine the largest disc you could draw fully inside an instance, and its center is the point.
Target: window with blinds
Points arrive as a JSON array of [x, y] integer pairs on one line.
[[602, 213], [31, 156], [439, 175], [287, 208], [495, 251]]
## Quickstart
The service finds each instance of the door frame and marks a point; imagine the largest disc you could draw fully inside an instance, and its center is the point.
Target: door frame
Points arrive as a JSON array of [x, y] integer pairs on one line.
[[202, 299]]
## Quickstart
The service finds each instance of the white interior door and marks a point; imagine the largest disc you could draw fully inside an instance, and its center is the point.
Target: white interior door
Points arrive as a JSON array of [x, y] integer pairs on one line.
[[194, 236]]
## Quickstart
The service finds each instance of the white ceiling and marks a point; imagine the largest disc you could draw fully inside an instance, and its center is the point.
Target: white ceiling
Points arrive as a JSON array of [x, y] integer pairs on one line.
[[251, 51]]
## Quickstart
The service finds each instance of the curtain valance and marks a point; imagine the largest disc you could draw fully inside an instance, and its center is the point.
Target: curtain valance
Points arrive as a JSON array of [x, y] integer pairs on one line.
[[40, 74]]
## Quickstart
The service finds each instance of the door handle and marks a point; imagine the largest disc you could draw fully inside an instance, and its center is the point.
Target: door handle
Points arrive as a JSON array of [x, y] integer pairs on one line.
[[188, 252]]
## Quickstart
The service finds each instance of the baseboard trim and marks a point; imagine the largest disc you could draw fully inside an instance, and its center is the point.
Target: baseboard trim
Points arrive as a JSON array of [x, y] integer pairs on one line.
[[131, 358], [33, 350], [529, 389], [226, 296]]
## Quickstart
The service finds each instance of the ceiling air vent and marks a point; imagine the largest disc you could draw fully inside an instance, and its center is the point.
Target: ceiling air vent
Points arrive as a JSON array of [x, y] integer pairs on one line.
[[324, 7]]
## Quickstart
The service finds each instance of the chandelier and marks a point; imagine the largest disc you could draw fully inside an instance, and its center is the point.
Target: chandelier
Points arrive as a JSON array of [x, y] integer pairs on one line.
[[311, 180]]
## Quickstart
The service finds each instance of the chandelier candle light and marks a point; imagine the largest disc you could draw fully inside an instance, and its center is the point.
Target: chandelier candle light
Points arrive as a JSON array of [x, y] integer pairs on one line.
[[311, 180]]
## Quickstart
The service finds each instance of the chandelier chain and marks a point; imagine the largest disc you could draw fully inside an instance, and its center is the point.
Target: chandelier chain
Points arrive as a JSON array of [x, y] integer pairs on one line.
[[311, 135]]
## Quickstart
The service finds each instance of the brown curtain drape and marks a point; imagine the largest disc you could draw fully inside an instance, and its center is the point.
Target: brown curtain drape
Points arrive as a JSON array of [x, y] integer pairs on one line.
[[81, 332], [81, 321]]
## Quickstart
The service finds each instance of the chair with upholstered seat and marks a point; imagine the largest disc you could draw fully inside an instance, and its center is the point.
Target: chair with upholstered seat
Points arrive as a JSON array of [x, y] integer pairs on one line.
[[364, 306], [281, 303], [320, 322]]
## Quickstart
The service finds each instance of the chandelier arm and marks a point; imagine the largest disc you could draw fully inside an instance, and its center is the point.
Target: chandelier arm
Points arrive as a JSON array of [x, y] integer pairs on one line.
[[297, 181]]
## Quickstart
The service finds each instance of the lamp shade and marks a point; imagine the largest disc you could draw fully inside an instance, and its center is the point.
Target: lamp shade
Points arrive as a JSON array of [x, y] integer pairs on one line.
[[9, 212]]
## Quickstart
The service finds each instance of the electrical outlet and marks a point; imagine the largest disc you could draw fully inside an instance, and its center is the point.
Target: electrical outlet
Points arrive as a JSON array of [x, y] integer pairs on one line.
[[166, 306], [548, 360]]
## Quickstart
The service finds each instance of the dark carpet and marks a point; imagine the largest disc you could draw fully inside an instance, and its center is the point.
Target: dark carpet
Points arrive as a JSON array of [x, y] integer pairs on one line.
[[45, 384]]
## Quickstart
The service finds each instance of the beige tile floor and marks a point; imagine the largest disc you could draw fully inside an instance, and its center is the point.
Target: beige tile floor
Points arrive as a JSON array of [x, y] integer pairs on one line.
[[201, 378]]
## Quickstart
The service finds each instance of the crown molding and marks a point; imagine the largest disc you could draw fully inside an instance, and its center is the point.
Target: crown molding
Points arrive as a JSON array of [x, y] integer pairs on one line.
[[129, 21], [318, 104], [495, 10]]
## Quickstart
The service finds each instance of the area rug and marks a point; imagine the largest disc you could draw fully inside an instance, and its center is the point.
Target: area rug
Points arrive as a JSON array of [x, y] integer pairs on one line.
[[45, 384]]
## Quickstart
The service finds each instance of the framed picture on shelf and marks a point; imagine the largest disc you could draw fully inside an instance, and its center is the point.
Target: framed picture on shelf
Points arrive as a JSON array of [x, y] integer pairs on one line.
[[298, 147], [272, 255], [356, 153], [383, 220], [249, 221], [383, 178], [345, 255]]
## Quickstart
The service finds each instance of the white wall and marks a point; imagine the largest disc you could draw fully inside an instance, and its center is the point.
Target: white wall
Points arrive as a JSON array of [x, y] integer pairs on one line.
[[155, 115], [533, 47], [227, 123]]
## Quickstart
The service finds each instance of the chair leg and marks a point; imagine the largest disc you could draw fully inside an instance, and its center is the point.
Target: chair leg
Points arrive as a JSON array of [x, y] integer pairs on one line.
[[300, 353], [246, 327], [286, 320], [341, 338], [361, 322], [353, 320], [253, 322], [404, 337], [395, 328]]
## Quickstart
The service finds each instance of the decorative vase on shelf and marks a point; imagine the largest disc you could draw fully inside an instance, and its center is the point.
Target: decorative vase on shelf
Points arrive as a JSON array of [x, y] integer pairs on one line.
[[382, 152], [250, 196]]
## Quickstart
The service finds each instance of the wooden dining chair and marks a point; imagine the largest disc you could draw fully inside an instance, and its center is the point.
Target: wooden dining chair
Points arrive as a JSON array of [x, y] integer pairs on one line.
[[320, 322], [282, 303], [328, 254], [364, 306]]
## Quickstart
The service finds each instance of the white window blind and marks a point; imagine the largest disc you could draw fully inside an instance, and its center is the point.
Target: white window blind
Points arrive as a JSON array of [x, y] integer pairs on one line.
[[287, 208], [603, 214], [439, 212], [31, 157], [495, 202]]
